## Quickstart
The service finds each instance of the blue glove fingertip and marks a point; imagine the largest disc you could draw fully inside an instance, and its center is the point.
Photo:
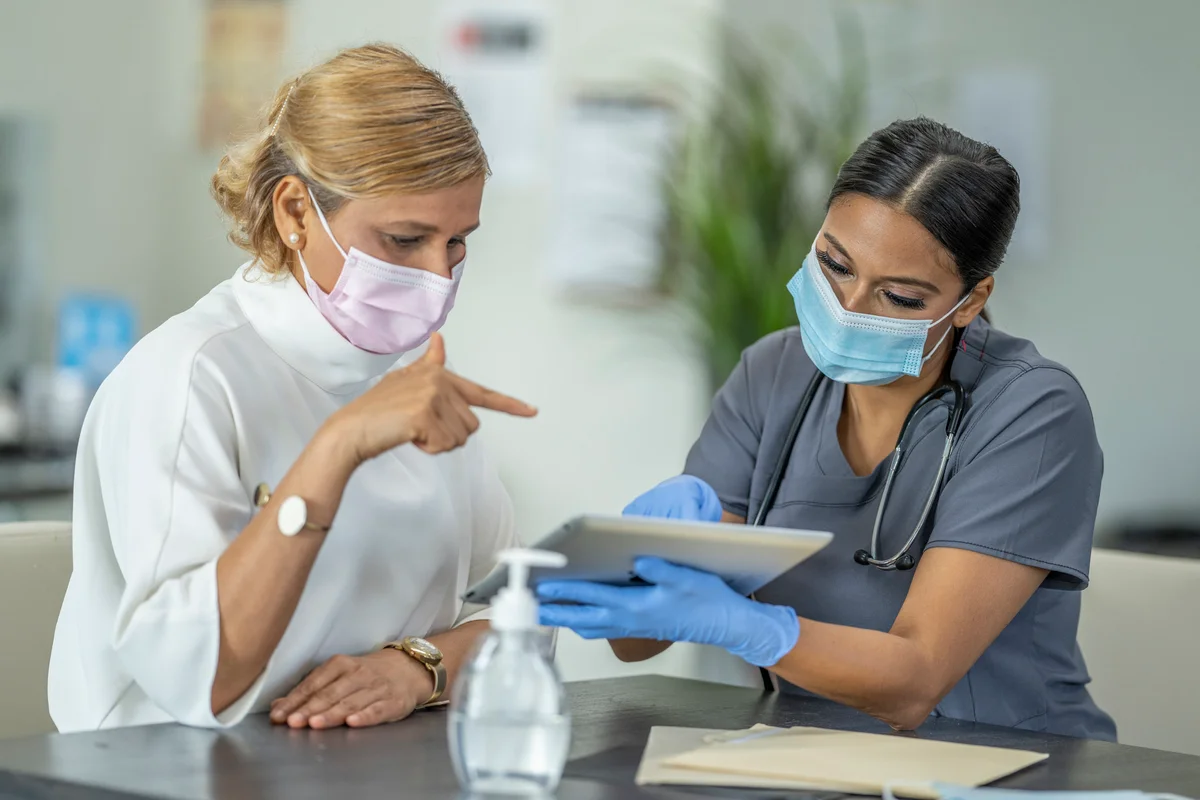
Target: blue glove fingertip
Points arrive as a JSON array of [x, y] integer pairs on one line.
[[644, 564], [555, 615], [549, 620]]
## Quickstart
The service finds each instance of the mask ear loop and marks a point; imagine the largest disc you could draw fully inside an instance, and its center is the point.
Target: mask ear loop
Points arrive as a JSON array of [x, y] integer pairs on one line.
[[325, 223], [935, 348], [941, 319], [956, 307]]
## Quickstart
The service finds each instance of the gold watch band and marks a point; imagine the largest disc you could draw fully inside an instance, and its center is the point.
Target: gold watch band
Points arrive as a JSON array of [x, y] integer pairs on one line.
[[439, 686], [438, 671]]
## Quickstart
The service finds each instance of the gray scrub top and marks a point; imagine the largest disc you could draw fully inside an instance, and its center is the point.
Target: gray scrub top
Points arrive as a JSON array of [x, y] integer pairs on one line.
[[1022, 484]]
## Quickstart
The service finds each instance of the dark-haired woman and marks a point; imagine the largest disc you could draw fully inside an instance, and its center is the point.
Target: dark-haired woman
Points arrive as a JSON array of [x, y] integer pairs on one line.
[[961, 598]]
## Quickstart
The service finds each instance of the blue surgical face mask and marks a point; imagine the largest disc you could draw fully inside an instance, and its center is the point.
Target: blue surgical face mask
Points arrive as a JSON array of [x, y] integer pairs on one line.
[[857, 348]]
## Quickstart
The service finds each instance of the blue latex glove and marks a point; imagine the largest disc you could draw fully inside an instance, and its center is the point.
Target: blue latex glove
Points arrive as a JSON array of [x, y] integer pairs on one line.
[[682, 497], [681, 605]]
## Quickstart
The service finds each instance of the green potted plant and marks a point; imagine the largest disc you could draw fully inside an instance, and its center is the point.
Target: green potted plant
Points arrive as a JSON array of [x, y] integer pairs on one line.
[[746, 185]]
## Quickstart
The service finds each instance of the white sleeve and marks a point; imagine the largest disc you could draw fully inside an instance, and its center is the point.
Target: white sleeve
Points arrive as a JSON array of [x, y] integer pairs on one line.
[[493, 527], [173, 501]]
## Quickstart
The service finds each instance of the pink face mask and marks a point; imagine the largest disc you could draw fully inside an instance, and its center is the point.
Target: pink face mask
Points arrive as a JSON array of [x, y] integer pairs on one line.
[[380, 307]]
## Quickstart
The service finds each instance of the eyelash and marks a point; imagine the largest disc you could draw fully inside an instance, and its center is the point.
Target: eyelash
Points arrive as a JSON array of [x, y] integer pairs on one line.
[[830, 264], [907, 303], [413, 241]]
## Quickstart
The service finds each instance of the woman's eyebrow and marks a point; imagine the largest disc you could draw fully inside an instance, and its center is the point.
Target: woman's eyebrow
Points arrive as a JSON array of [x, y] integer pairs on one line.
[[841, 249], [903, 280], [416, 226]]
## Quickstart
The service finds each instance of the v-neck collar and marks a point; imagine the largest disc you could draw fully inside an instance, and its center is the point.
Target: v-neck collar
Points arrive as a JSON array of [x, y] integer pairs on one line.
[[965, 367]]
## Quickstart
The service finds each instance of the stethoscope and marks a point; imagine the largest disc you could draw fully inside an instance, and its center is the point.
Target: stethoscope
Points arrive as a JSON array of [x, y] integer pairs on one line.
[[902, 560]]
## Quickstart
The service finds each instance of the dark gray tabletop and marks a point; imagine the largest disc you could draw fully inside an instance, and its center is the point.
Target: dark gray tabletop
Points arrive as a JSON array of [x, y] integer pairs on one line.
[[611, 719]]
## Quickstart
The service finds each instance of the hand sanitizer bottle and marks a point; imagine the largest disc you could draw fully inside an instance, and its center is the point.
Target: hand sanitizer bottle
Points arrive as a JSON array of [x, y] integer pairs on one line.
[[509, 727]]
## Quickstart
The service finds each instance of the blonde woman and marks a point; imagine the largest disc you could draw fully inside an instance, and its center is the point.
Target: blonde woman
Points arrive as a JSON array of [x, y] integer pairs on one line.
[[277, 499]]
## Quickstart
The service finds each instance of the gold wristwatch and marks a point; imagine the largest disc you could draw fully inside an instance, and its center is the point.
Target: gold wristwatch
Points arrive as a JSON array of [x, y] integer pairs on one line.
[[426, 654]]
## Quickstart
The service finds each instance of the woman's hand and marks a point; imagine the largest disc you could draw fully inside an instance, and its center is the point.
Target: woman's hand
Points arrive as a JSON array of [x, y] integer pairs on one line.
[[424, 404], [681, 497], [681, 605], [358, 691]]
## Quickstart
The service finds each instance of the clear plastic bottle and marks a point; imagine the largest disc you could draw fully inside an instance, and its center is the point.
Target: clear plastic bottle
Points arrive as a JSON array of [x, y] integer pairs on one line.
[[509, 727]]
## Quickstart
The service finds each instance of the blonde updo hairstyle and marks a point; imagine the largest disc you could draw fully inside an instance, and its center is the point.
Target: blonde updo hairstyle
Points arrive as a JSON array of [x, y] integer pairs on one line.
[[369, 122]]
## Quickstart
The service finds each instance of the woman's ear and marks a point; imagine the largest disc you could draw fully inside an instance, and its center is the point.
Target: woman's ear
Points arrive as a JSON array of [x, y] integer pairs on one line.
[[289, 202], [978, 298]]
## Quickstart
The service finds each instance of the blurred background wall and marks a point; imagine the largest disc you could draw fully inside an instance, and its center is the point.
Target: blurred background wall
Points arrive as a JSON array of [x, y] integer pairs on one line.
[[116, 191], [620, 392], [1120, 192]]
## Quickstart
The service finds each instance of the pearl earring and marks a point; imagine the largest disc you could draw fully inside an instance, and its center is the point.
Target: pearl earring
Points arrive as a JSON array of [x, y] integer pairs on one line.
[[293, 238]]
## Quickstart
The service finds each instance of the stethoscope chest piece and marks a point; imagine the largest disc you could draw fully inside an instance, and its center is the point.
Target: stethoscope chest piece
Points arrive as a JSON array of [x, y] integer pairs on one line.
[[903, 563]]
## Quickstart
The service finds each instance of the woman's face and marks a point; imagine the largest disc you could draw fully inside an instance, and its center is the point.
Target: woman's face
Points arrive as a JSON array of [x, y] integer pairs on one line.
[[426, 231], [882, 261]]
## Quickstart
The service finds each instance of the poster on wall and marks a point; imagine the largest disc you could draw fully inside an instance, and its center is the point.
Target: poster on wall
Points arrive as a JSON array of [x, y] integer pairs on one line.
[[496, 54], [242, 65], [608, 200]]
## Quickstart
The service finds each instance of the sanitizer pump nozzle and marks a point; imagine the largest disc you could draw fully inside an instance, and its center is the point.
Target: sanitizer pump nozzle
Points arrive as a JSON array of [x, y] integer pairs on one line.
[[515, 607]]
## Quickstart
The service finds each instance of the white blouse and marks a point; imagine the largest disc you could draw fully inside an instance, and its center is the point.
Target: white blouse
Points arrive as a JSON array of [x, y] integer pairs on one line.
[[217, 400]]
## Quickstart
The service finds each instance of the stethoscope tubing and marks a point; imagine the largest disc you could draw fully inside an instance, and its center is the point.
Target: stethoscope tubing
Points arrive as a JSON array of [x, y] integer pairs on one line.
[[902, 560]]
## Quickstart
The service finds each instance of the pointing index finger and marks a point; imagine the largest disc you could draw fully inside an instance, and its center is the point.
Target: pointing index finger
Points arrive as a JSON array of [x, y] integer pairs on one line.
[[482, 397]]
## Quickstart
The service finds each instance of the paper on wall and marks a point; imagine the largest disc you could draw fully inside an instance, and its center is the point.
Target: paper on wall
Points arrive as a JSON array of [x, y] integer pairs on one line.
[[496, 55], [609, 209], [242, 66]]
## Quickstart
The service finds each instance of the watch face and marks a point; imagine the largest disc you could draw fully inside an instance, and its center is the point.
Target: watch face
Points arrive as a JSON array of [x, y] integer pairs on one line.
[[423, 650], [293, 513]]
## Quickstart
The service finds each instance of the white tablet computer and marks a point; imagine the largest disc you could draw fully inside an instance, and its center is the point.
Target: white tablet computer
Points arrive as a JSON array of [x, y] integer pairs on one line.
[[603, 548]]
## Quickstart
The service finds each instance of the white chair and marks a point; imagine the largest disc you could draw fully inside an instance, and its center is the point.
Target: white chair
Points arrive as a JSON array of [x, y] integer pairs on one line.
[[1140, 634], [35, 565]]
